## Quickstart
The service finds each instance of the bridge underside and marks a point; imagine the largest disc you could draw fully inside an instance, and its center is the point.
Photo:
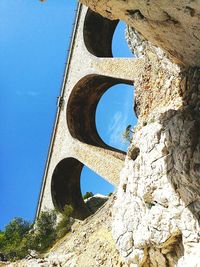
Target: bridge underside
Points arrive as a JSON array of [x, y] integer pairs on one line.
[[90, 71]]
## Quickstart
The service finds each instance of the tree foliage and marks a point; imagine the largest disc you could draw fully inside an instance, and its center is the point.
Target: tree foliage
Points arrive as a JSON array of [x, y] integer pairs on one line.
[[20, 236], [44, 232], [11, 238]]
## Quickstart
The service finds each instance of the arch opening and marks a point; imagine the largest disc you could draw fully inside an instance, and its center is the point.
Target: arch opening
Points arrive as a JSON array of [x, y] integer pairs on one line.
[[98, 33], [98, 186], [120, 46], [114, 114], [82, 105], [104, 37], [65, 187], [70, 181]]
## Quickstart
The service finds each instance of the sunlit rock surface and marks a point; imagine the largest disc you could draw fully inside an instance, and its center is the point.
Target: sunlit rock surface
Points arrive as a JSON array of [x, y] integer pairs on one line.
[[95, 202], [157, 211], [172, 25]]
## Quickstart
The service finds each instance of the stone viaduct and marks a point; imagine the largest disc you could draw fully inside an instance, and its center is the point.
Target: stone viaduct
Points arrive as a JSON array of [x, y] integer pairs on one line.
[[90, 71]]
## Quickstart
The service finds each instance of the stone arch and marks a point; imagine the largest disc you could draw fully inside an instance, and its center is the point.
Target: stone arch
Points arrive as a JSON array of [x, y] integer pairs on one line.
[[65, 187], [81, 108], [98, 33]]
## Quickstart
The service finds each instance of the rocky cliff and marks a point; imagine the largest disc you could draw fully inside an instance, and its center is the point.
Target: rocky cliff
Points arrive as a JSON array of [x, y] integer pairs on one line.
[[157, 211], [156, 214]]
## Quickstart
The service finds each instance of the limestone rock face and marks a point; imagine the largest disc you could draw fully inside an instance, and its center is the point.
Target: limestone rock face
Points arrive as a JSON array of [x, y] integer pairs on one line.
[[153, 224], [95, 202], [171, 25], [157, 212]]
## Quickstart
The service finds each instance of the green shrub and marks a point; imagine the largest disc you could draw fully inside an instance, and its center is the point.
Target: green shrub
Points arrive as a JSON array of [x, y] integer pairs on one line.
[[64, 226], [128, 133], [44, 233], [1, 234], [87, 195]]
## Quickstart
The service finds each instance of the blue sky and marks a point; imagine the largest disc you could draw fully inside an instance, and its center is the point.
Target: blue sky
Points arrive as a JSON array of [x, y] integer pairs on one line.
[[33, 44]]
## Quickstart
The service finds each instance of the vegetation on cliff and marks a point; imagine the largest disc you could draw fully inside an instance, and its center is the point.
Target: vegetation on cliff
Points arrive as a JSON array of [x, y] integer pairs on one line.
[[21, 237]]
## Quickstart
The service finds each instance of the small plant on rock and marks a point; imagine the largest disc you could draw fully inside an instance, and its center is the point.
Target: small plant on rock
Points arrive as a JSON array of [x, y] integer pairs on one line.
[[87, 195], [128, 134]]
